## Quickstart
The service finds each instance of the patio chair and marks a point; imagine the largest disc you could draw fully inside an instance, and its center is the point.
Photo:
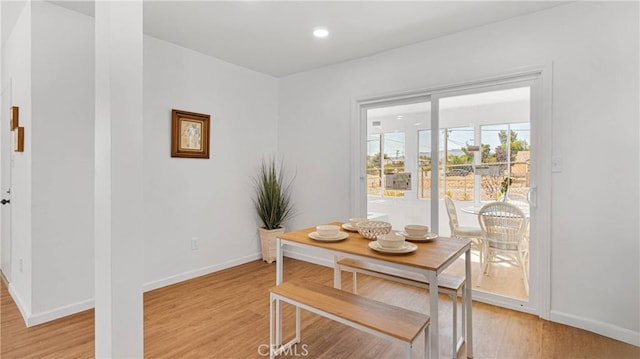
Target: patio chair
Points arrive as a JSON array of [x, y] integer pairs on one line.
[[504, 228], [518, 199], [457, 231], [521, 202]]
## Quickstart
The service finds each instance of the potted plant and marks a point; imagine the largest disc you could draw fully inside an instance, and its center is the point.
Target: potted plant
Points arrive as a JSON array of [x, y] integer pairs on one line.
[[504, 189], [273, 204]]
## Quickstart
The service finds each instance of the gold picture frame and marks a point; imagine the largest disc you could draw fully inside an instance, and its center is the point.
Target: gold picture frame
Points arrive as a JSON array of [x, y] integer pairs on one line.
[[189, 134], [13, 116], [19, 140]]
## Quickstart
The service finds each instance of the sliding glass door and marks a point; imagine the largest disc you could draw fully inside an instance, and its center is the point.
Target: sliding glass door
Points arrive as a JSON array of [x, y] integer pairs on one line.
[[473, 145], [485, 152]]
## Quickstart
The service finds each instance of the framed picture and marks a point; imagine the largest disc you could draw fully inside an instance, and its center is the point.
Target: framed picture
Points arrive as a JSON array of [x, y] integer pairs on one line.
[[189, 134], [19, 140], [14, 117]]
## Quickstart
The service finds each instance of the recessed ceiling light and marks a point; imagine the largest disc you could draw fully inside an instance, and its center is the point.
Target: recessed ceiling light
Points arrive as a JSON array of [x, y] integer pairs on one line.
[[320, 32]]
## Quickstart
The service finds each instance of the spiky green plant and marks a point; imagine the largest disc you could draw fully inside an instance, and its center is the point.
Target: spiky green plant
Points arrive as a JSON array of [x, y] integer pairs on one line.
[[273, 195]]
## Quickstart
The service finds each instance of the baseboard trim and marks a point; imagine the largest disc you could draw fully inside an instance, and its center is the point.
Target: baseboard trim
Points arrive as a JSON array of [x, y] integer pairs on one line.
[[198, 272], [22, 308], [4, 279], [602, 328], [43, 317], [57, 313], [503, 302]]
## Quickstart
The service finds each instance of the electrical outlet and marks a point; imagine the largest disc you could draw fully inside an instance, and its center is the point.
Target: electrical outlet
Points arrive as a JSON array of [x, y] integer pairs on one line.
[[194, 243], [556, 164]]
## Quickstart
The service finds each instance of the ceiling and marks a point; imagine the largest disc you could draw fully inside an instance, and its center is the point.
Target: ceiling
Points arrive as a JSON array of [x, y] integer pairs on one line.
[[275, 37]]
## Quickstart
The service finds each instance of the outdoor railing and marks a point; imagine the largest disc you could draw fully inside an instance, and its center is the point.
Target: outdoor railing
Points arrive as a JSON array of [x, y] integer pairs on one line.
[[457, 181]]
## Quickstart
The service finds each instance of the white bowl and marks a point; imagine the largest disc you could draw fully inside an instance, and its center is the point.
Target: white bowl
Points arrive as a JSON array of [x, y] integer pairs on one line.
[[327, 230], [390, 240], [354, 221], [416, 230]]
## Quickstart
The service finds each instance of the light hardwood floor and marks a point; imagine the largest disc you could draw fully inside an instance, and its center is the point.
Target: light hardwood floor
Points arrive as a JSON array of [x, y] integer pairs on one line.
[[226, 315], [503, 279]]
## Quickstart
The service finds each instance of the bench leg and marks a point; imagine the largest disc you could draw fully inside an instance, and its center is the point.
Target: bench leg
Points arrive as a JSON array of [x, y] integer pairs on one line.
[[355, 282], [464, 313], [297, 324], [272, 342], [337, 273], [409, 347], [278, 320], [427, 343], [337, 276], [454, 350], [275, 327]]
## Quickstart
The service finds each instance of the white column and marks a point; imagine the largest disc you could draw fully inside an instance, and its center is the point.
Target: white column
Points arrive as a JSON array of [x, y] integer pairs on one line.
[[118, 180]]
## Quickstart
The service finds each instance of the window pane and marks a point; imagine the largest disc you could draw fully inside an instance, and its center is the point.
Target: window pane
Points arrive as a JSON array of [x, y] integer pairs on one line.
[[520, 158], [374, 172], [458, 172], [424, 164], [506, 153], [494, 150], [394, 153]]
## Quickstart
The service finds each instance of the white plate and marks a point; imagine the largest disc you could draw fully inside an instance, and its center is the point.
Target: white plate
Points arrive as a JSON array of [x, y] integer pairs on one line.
[[349, 227], [427, 237], [407, 247], [340, 236]]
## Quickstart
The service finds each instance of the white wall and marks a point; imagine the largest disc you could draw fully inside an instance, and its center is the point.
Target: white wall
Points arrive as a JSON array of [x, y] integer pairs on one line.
[[16, 83], [595, 242], [62, 147], [183, 198], [208, 199]]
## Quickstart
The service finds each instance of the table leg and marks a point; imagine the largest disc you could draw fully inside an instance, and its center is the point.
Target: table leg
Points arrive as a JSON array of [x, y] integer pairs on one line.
[[279, 270], [272, 343], [468, 304], [279, 264], [433, 314]]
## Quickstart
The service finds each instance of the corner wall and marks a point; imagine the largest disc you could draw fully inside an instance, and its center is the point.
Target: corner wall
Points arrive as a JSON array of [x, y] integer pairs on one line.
[[210, 199], [184, 198], [595, 246], [63, 151], [16, 86]]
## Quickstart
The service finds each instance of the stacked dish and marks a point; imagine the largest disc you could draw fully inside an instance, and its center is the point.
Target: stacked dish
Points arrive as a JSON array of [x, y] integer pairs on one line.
[[417, 233], [392, 243], [328, 233]]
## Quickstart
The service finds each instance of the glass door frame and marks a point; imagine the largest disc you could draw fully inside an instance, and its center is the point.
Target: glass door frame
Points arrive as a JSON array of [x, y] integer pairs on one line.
[[539, 79], [358, 190]]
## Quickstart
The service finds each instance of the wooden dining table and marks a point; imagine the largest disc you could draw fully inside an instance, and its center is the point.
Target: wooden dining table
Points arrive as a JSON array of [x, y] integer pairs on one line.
[[430, 259]]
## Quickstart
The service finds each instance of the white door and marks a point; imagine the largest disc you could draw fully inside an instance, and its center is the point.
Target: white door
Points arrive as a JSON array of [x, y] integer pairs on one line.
[[485, 132], [485, 153], [5, 186]]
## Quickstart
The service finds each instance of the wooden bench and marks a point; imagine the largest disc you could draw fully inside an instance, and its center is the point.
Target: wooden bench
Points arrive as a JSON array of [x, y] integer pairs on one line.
[[447, 284], [368, 315]]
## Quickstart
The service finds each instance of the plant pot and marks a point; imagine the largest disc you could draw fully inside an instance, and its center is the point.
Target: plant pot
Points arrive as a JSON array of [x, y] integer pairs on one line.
[[268, 243]]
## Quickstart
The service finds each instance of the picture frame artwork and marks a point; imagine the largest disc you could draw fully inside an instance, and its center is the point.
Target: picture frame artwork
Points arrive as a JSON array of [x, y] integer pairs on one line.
[[189, 134], [19, 140], [13, 116]]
